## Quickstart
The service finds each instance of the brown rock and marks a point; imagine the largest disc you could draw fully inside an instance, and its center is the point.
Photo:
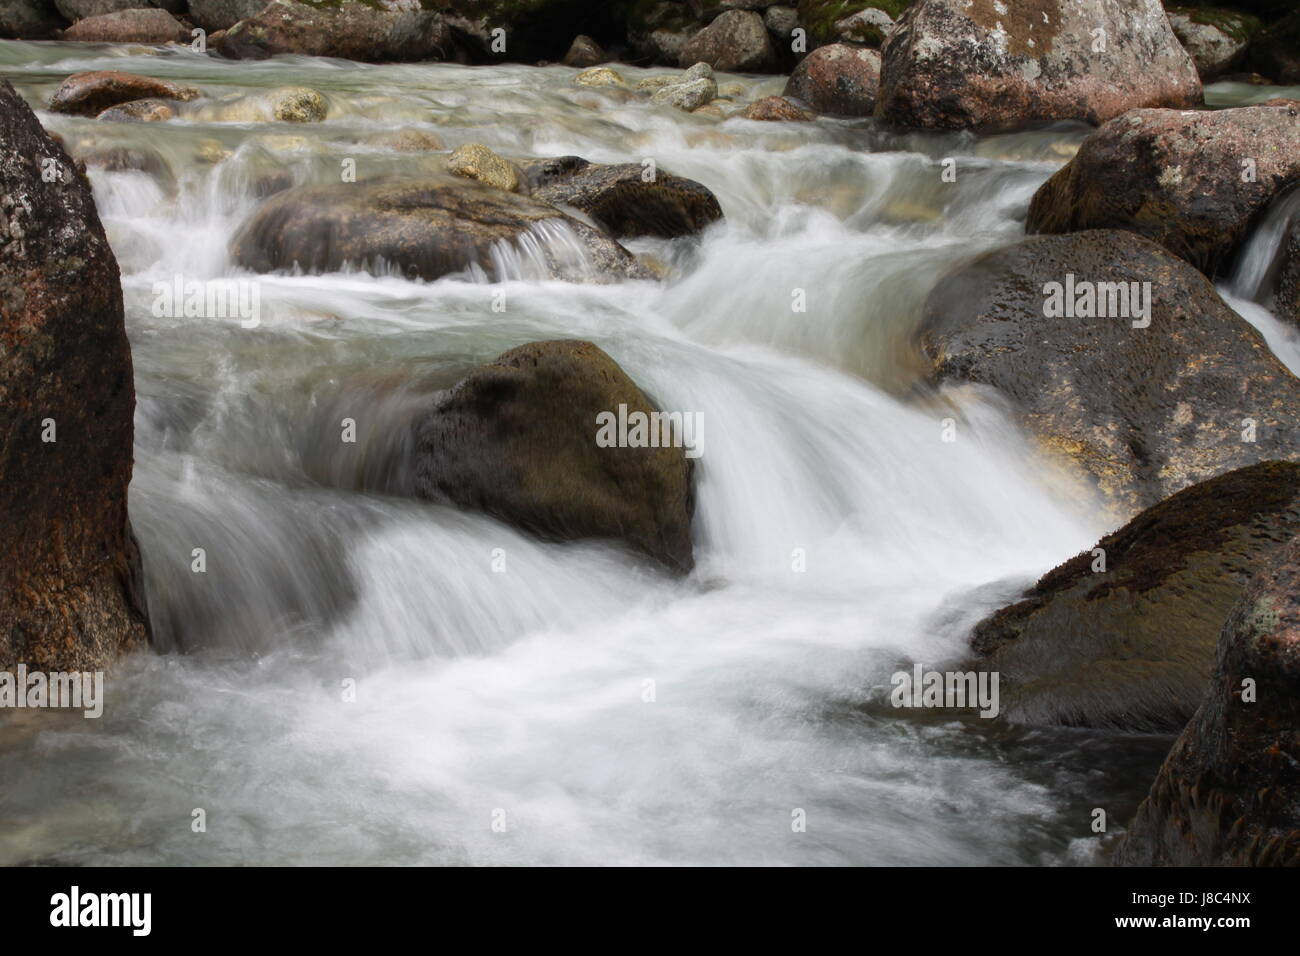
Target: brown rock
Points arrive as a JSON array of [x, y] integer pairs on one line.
[[838, 80], [129, 26], [89, 94], [585, 52], [349, 29], [140, 111], [70, 585], [774, 109]]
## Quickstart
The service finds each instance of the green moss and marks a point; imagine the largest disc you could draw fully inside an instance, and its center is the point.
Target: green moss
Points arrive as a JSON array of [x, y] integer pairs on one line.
[[818, 17], [1240, 26]]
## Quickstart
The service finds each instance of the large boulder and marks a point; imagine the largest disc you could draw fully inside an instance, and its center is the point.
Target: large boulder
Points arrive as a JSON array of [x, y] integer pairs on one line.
[[425, 228], [1123, 635], [29, 20], [1195, 183], [987, 65], [71, 594], [1057, 326], [736, 42], [213, 15], [621, 200], [89, 94], [1216, 39], [839, 80], [347, 29], [80, 9], [129, 26], [518, 439], [1275, 51], [1228, 794]]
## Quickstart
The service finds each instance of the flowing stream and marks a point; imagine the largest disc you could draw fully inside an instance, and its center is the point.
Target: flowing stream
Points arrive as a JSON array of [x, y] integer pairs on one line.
[[607, 712]]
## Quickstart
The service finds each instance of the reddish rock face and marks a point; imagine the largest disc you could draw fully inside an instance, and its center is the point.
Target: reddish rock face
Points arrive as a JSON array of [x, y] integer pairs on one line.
[[349, 30], [70, 594], [129, 26], [839, 80], [1193, 182], [991, 65], [1229, 793], [89, 94]]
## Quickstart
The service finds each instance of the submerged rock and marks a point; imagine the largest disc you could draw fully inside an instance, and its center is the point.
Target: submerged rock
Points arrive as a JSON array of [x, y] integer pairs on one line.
[[71, 593], [425, 228], [1123, 635], [1228, 794], [985, 65], [599, 76], [129, 26], [475, 161], [838, 80], [517, 439], [735, 42], [1143, 411], [1195, 183], [348, 29], [89, 94], [140, 111], [621, 200]]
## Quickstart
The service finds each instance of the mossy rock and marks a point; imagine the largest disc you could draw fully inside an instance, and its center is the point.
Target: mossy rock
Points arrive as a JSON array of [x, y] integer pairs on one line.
[[1130, 644], [819, 17], [1236, 24]]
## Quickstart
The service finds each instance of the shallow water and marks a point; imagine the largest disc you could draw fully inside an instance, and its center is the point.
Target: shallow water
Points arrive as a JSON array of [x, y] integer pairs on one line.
[[521, 694]]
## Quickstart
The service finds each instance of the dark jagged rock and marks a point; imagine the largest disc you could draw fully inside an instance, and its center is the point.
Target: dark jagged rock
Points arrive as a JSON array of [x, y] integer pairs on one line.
[[517, 439], [1195, 183], [89, 94], [989, 66], [1145, 412], [1228, 794], [1275, 51], [619, 198], [426, 228], [585, 52], [348, 29], [1131, 647], [838, 80], [30, 20], [70, 585], [129, 26]]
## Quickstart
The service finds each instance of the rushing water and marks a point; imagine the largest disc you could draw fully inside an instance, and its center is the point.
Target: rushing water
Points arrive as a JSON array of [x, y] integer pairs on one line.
[[523, 691]]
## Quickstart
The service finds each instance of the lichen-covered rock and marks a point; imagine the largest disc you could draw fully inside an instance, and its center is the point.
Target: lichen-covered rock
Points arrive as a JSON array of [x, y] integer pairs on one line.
[[870, 27], [736, 42], [71, 593], [621, 199], [1195, 183], [89, 94], [475, 161], [518, 439], [29, 20], [988, 66], [599, 76], [349, 29], [687, 95], [1122, 636], [774, 109], [838, 80], [1228, 794], [424, 228], [1142, 411], [129, 26], [1216, 39]]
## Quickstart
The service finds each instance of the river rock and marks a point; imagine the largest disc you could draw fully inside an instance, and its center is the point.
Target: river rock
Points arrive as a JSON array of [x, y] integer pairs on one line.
[[129, 26], [1228, 794], [476, 161], [1275, 51], [29, 20], [89, 94], [621, 201], [869, 26], [71, 594], [991, 66], [1194, 182], [599, 76], [140, 111], [348, 29], [658, 30], [1216, 39], [584, 52], [213, 15], [426, 228], [838, 80], [81, 9], [736, 42], [517, 439], [1128, 643], [774, 109], [688, 95], [1145, 411]]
